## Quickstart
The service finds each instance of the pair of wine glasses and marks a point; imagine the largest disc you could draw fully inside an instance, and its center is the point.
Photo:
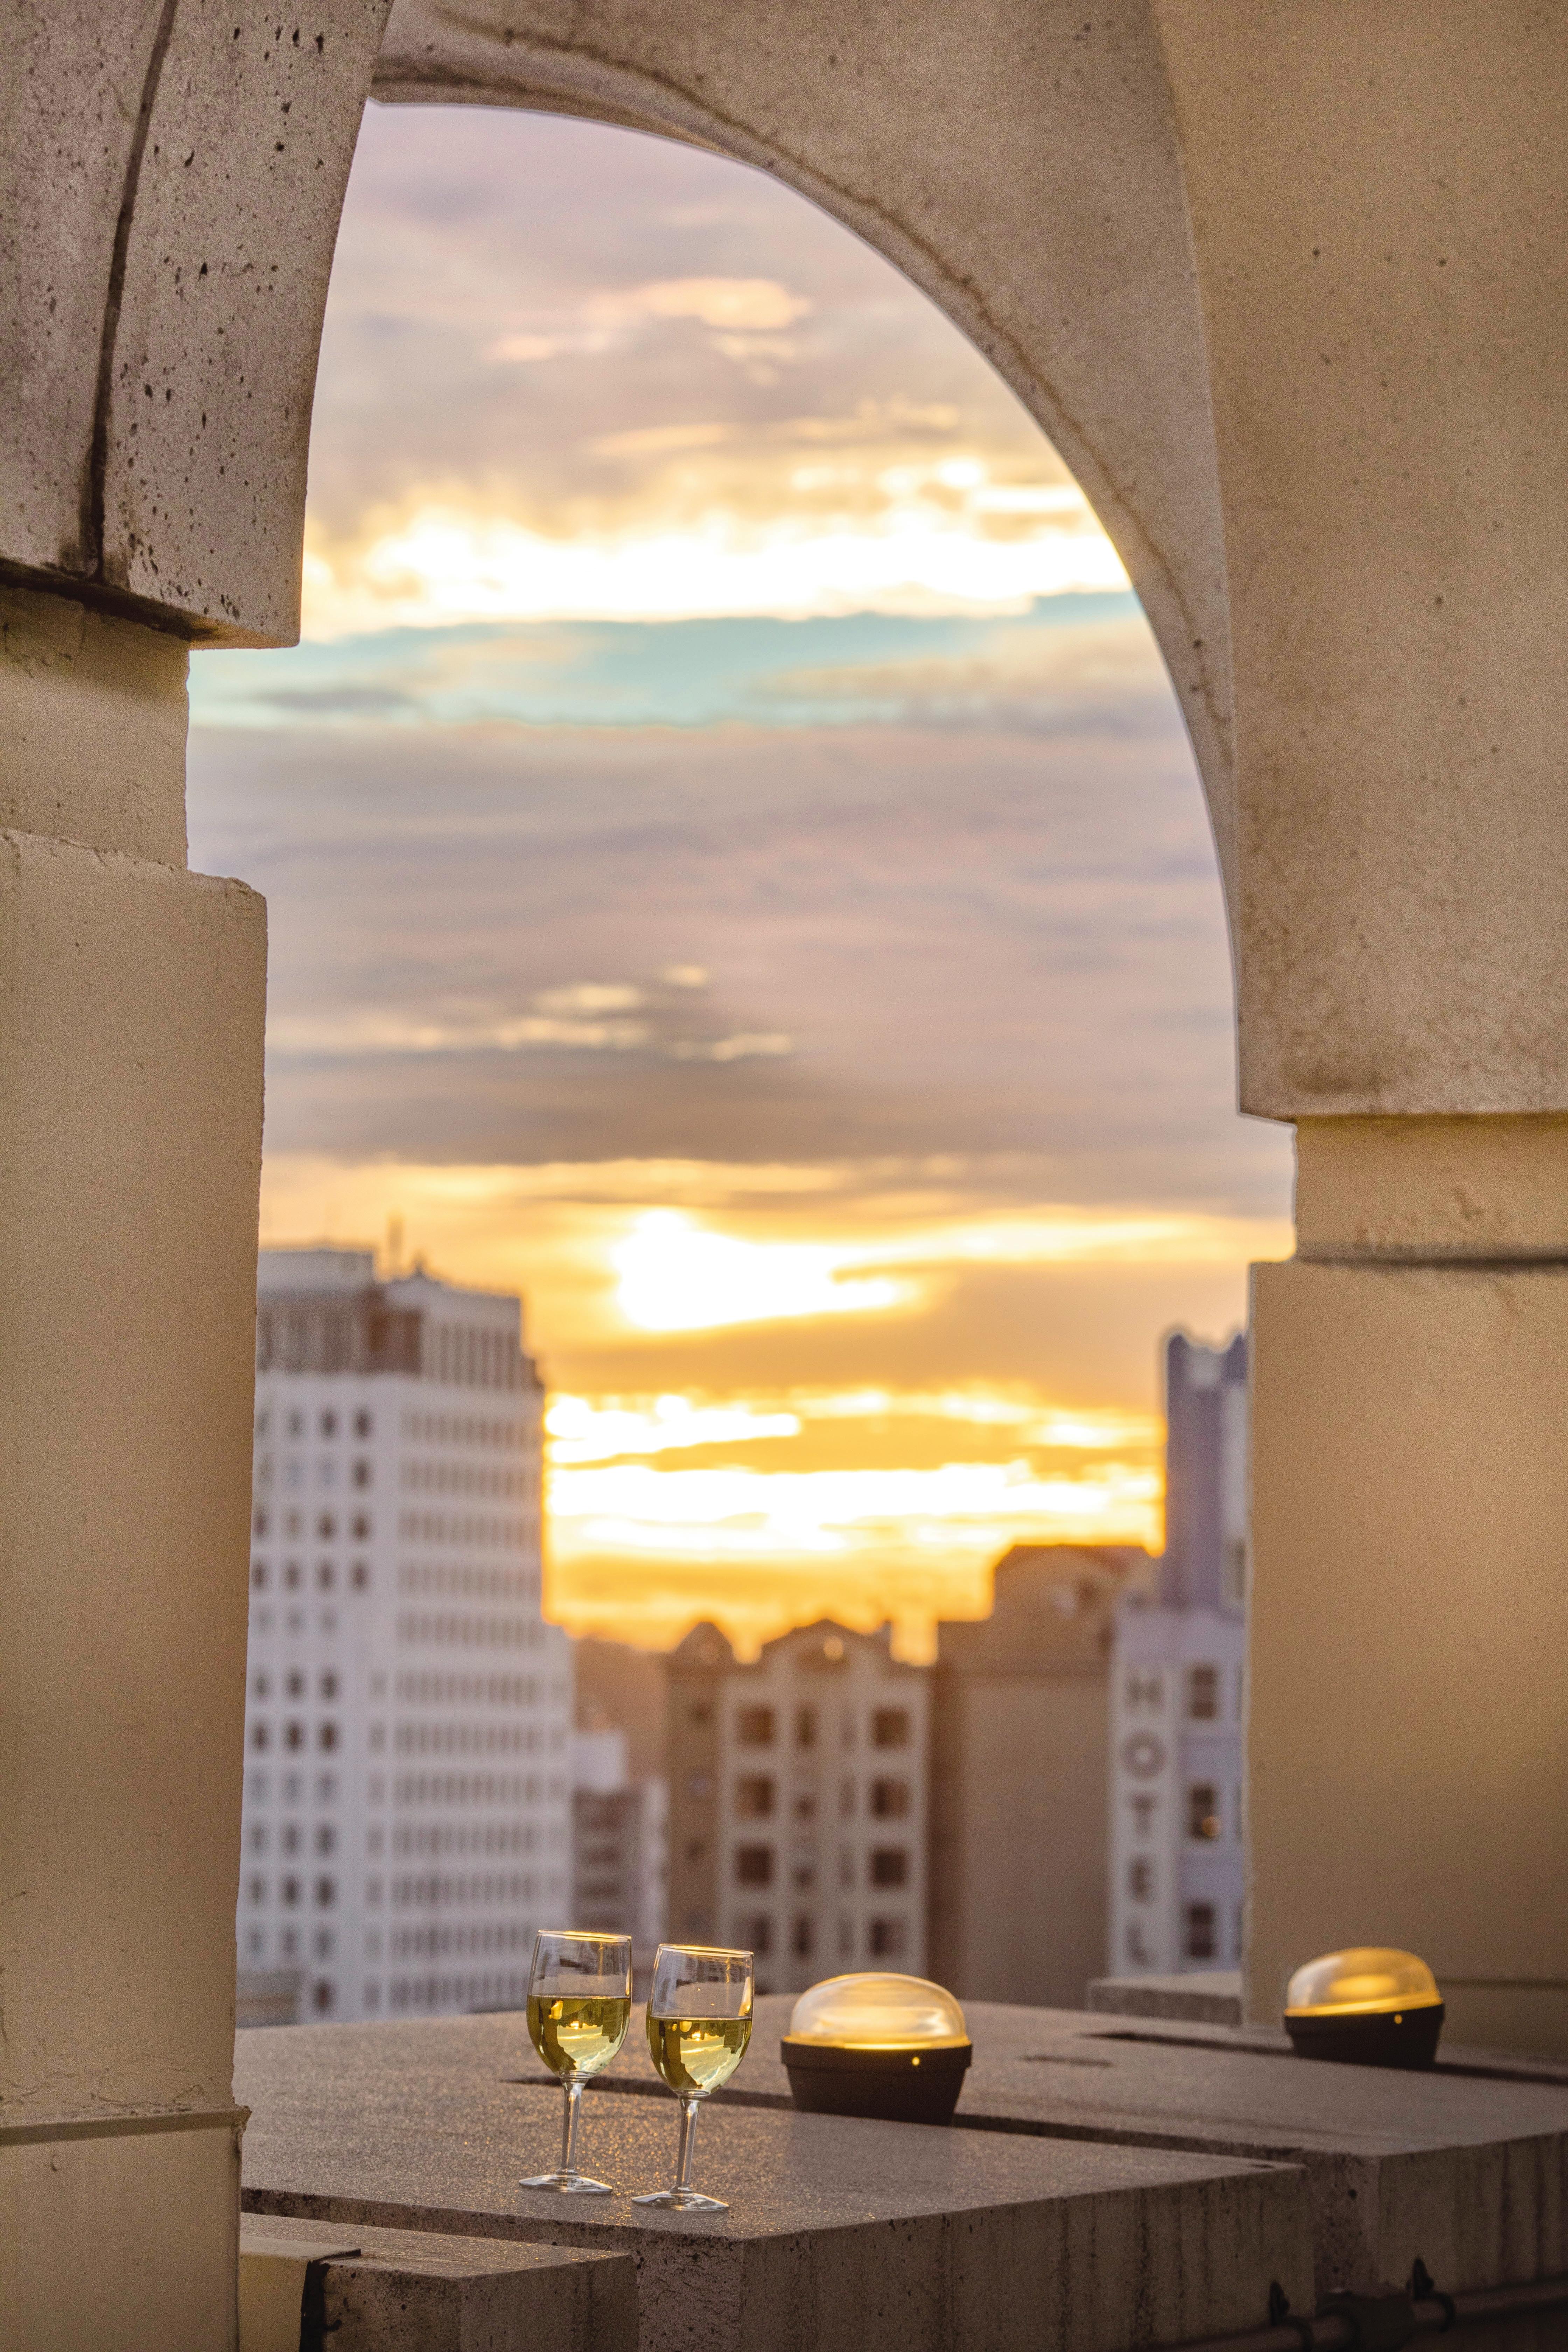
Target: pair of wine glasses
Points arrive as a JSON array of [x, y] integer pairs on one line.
[[699, 2023]]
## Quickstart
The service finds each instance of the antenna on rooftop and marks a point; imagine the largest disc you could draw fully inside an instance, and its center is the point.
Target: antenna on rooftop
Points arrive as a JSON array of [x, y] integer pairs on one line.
[[394, 1247]]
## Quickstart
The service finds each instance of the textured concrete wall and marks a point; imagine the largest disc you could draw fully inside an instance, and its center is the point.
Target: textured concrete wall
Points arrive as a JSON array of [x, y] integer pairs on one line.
[[131, 1001], [1407, 1741], [170, 185], [1378, 197]]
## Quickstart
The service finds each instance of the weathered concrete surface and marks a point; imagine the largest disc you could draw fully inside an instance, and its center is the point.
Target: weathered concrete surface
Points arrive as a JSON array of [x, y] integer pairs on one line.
[[1374, 192], [1206, 1996], [1426, 1190], [92, 727], [170, 186], [1407, 1740], [132, 1002], [415, 2291], [1469, 2171], [119, 2234], [844, 2236]]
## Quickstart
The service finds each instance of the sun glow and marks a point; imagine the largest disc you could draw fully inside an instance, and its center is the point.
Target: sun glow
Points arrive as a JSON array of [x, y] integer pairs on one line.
[[754, 1414], [914, 540]]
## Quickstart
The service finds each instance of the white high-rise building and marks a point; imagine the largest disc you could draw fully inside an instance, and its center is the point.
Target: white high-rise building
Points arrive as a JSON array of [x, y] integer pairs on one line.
[[408, 1798], [1177, 1876]]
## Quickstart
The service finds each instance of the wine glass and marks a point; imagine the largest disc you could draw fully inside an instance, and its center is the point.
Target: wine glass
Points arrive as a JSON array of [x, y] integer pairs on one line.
[[579, 2006], [699, 2023]]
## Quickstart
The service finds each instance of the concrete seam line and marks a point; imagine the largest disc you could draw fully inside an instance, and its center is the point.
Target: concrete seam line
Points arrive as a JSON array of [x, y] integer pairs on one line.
[[122, 2127]]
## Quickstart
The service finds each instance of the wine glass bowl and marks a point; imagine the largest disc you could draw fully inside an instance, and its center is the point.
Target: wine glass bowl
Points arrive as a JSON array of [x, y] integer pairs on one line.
[[699, 2023], [579, 2007]]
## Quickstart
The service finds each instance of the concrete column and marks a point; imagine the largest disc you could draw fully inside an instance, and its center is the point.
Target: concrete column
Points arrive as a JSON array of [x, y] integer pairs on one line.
[[132, 1004], [1408, 1739]]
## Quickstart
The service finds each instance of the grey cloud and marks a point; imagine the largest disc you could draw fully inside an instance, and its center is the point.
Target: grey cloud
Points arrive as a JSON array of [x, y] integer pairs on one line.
[[978, 945]]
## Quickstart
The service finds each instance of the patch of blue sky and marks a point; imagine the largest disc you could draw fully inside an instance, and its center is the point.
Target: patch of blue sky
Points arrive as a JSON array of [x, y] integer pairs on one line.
[[861, 669]]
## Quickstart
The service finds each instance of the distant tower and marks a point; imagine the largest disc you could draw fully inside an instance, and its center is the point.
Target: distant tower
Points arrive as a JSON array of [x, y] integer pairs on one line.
[[1177, 1859], [407, 1806]]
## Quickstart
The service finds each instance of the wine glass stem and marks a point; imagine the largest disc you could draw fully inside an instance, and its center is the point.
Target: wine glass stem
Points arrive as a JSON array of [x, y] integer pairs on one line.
[[568, 2127], [688, 2134]]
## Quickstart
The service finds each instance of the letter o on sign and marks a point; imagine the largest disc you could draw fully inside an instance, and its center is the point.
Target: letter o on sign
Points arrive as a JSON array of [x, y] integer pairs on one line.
[[1144, 1756]]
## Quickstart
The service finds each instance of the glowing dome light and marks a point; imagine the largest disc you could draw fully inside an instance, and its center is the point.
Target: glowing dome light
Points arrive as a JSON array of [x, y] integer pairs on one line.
[[877, 2044], [879, 2013], [1369, 2006]]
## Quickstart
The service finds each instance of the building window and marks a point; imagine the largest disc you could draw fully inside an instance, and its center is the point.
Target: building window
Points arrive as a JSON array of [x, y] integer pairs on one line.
[[258, 1736], [889, 1938], [259, 1523], [1199, 1924], [700, 1712], [292, 1576], [329, 1425], [805, 1727], [890, 1867], [321, 1996], [1145, 1690], [755, 1798], [361, 1576], [1202, 1810], [326, 1527], [326, 1837], [291, 1891], [324, 1575], [757, 1935], [890, 1728], [755, 1865], [326, 1734], [361, 1473], [293, 1735], [805, 1937], [1140, 1879], [1203, 1693], [754, 1727], [258, 1575], [890, 1799], [361, 1528], [361, 1424], [328, 1685], [258, 1890], [326, 1893]]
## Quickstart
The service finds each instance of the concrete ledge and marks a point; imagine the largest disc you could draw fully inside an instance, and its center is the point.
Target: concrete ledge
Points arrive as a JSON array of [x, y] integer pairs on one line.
[[1206, 1997], [844, 2236], [416, 2291], [1466, 2167]]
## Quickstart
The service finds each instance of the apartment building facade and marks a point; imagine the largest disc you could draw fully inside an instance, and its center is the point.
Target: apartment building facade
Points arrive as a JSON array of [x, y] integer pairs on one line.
[[407, 1806], [798, 1794], [1019, 1757], [1177, 1832]]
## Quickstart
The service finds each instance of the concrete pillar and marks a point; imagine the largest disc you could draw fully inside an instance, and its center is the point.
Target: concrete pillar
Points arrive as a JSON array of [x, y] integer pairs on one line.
[[132, 1003], [1408, 1739]]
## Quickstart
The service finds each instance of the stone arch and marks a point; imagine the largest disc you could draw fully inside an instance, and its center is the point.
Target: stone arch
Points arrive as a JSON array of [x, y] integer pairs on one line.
[[1028, 180]]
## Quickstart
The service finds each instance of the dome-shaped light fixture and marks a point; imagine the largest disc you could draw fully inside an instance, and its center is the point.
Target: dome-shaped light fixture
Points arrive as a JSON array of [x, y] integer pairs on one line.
[[877, 2044], [1367, 2007]]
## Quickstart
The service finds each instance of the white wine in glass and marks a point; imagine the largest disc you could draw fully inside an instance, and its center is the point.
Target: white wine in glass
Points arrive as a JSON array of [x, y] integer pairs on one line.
[[579, 2007], [699, 2023]]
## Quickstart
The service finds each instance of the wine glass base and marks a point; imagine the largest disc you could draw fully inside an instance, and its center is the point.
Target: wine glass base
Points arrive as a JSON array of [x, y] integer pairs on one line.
[[568, 2184], [683, 2200]]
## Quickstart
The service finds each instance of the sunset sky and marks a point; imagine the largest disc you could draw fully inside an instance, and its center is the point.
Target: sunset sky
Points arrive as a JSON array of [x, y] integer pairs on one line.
[[737, 875]]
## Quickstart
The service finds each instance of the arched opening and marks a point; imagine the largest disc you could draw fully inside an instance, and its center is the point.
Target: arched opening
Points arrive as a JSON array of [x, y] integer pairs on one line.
[[725, 753]]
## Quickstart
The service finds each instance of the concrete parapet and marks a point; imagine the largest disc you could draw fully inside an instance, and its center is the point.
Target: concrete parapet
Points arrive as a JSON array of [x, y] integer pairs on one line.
[[1466, 2167], [844, 2236], [1206, 1997], [416, 2291]]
